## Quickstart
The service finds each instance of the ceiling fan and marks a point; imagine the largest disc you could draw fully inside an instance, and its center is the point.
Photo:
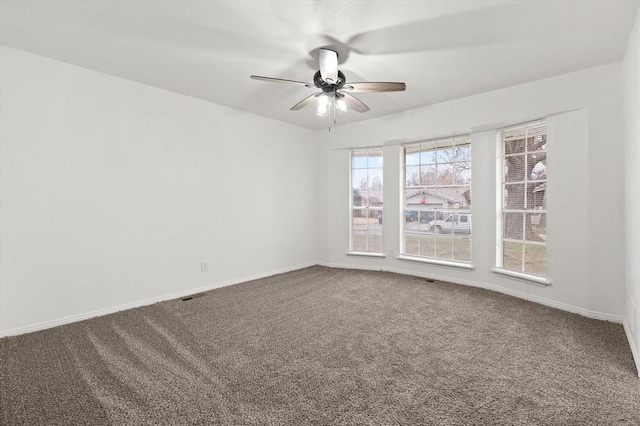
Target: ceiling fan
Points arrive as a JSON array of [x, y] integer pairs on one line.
[[332, 84]]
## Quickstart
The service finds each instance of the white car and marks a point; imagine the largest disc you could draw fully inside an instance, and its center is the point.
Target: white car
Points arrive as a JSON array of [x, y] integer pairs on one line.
[[459, 222]]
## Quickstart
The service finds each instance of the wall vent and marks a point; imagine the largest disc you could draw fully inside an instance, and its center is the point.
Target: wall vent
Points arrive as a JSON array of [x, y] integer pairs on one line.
[[193, 296]]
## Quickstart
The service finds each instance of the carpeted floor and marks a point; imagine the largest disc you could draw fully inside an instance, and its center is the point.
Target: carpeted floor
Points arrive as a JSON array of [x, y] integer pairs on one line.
[[328, 347]]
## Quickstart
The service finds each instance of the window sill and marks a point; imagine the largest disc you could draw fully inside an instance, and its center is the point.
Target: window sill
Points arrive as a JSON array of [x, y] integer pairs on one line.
[[437, 262], [530, 279], [365, 254]]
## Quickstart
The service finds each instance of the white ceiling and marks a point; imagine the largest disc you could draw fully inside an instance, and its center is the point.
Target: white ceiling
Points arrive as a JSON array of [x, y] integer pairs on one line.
[[207, 49]]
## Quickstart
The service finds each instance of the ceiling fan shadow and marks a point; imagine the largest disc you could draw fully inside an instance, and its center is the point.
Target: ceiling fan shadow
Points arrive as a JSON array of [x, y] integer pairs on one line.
[[493, 25], [189, 36]]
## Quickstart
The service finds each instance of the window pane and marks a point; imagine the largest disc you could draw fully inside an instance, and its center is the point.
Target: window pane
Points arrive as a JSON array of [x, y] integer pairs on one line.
[[445, 174], [512, 225], [425, 217], [411, 216], [428, 175], [428, 245], [462, 248], [537, 227], [359, 241], [445, 155], [512, 256], [375, 178], [428, 156], [535, 195], [359, 179], [535, 259], [514, 196], [374, 198], [447, 197], [359, 160], [537, 143], [444, 248], [375, 241], [514, 146], [359, 219], [375, 159], [539, 171], [356, 198], [462, 173], [412, 176], [364, 197], [411, 244], [412, 155], [359, 230], [463, 153], [515, 169]]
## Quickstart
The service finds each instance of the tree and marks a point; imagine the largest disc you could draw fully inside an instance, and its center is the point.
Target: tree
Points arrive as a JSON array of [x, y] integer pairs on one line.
[[446, 175], [357, 198], [521, 167]]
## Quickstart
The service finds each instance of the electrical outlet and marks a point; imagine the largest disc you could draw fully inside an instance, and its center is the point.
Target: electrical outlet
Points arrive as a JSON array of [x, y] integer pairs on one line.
[[204, 266]]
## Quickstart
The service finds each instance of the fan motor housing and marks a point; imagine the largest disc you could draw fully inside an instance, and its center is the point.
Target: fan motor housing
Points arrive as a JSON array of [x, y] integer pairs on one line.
[[326, 87]]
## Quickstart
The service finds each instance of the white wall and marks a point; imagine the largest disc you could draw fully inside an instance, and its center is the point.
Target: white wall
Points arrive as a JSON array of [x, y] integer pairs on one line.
[[585, 185], [631, 92], [113, 192]]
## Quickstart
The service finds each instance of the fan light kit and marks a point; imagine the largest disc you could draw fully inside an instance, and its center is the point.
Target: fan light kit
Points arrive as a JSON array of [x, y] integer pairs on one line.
[[335, 95]]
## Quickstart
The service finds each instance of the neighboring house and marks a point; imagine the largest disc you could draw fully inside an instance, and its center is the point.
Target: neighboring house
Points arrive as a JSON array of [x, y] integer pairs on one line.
[[419, 199], [539, 192], [442, 198], [366, 197]]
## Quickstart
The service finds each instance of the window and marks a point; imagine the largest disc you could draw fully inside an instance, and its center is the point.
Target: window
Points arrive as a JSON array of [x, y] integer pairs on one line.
[[366, 201], [437, 200], [523, 198]]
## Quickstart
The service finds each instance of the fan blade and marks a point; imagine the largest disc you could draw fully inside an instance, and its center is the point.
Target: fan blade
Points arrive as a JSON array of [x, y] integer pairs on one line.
[[354, 103], [281, 80], [364, 87], [303, 103], [328, 65]]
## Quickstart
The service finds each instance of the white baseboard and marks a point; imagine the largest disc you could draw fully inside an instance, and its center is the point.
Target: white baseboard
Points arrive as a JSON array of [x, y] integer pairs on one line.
[[74, 318], [492, 287], [634, 350], [100, 312]]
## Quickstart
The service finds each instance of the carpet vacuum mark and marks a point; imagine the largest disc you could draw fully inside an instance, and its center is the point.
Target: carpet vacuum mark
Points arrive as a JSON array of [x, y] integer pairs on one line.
[[323, 346]]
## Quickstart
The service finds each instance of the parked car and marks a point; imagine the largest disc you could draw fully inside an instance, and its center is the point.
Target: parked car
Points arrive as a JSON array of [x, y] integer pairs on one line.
[[409, 216], [458, 222], [426, 217]]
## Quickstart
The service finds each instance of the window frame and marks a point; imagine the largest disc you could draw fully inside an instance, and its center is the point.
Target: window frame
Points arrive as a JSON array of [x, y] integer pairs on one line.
[[501, 210], [368, 208], [434, 144]]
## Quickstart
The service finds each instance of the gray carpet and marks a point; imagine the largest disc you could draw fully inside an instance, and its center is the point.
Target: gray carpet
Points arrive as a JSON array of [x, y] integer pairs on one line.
[[328, 347]]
